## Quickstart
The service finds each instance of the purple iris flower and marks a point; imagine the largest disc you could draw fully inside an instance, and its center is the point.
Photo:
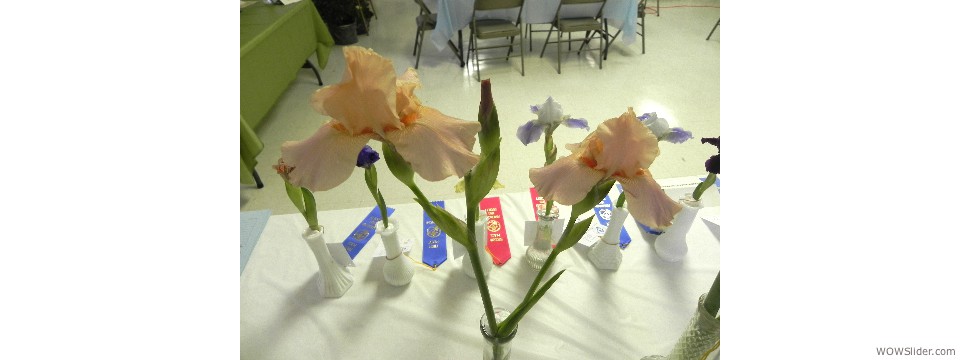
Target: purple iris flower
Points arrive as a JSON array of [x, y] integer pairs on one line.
[[713, 163], [549, 116], [367, 157]]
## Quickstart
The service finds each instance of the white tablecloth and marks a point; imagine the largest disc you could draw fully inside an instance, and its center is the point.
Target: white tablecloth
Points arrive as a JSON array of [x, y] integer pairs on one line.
[[453, 15], [639, 310]]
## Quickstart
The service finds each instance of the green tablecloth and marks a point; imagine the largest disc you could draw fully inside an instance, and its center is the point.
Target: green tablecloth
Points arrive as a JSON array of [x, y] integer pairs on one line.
[[274, 42]]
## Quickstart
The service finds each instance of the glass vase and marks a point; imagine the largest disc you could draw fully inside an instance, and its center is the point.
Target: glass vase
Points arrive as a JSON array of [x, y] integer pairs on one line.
[[398, 270], [486, 262], [335, 279], [543, 243], [672, 244], [496, 348], [701, 337], [606, 253]]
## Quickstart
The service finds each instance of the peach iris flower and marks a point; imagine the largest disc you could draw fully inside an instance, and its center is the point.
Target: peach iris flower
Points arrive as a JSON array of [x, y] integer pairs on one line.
[[622, 149], [372, 103]]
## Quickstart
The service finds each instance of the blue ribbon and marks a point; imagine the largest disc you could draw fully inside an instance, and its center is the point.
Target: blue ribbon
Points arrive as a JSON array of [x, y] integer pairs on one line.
[[364, 232], [604, 211], [434, 241]]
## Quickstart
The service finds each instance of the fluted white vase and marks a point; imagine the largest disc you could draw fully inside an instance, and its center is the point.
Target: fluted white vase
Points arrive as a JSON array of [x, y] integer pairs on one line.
[[486, 262], [398, 270], [672, 244], [606, 253], [335, 279]]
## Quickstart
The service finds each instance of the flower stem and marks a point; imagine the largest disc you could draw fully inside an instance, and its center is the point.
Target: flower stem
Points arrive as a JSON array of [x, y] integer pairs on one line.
[[549, 155], [622, 199], [698, 192], [548, 262], [370, 176], [472, 252], [712, 302]]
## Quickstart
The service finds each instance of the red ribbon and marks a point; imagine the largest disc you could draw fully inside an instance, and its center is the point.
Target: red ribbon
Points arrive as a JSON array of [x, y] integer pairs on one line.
[[539, 203], [497, 243]]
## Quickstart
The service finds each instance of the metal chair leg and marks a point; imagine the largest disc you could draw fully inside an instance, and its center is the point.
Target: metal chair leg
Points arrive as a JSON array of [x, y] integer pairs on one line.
[[547, 41], [521, 55], [256, 177], [308, 64], [714, 29]]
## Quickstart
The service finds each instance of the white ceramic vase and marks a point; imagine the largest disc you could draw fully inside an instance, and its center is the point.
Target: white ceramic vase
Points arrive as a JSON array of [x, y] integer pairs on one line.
[[335, 279], [398, 269], [606, 253], [486, 262], [672, 244]]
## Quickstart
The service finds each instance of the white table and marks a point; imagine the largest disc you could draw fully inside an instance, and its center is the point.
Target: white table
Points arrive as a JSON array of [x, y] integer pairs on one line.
[[638, 310], [454, 15]]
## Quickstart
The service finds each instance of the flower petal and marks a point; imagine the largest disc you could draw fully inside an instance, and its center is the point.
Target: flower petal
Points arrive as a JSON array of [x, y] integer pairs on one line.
[[713, 164], [436, 145], [647, 202], [623, 145], [550, 112], [566, 181], [529, 132], [325, 159], [365, 100], [577, 123], [407, 103], [677, 135]]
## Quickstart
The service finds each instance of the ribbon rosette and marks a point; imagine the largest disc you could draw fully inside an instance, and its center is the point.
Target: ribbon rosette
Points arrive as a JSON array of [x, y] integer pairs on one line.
[[621, 148], [372, 103]]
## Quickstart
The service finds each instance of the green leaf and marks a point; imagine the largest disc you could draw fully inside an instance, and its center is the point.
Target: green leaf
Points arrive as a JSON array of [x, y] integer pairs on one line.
[[509, 324], [592, 199], [295, 195], [455, 228], [482, 177], [398, 166], [576, 232], [310, 209]]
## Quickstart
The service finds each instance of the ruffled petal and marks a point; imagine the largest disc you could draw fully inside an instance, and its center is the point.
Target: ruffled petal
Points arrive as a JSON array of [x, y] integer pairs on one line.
[[365, 100], [407, 103], [647, 202], [566, 181], [529, 132], [550, 112], [324, 160], [436, 145], [623, 145]]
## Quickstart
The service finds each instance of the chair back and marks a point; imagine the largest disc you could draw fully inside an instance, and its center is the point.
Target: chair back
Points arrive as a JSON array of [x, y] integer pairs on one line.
[[423, 7], [496, 4], [574, 2], [581, 2]]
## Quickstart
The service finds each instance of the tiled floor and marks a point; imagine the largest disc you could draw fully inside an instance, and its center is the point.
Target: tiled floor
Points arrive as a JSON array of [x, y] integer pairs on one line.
[[678, 77]]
